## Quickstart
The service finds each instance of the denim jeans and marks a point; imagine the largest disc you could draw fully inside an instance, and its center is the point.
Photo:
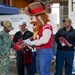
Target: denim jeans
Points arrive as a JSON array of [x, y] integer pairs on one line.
[[28, 69], [61, 57], [43, 61], [25, 71], [34, 61]]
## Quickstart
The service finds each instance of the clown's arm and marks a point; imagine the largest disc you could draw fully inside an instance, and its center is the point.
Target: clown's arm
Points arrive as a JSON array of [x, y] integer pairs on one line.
[[43, 40]]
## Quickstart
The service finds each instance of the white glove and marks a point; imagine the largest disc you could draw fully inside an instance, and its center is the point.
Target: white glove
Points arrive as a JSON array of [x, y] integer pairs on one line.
[[29, 42], [26, 41]]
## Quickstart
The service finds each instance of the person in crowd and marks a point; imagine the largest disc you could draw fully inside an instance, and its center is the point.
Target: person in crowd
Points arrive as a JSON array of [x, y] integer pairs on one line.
[[43, 36], [23, 56], [5, 45], [65, 39]]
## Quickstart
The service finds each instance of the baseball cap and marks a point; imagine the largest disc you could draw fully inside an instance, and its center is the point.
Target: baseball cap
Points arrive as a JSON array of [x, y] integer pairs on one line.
[[68, 19], [7, 24]]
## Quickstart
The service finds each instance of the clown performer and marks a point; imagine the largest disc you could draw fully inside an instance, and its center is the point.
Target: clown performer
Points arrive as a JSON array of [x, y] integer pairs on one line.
[[43, 36]]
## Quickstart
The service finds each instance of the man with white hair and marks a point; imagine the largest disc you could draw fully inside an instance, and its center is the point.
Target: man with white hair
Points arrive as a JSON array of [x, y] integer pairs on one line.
[[24, 56]]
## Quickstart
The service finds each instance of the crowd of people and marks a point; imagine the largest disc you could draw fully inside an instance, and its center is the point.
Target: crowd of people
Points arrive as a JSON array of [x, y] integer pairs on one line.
[[34, 49]]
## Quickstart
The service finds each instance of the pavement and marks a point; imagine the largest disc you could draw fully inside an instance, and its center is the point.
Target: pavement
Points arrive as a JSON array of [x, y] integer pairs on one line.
[[13, 70]]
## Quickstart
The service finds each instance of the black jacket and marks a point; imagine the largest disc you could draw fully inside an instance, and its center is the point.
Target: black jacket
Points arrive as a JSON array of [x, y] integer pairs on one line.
[[69, 36], [25, 36], [24, 55]]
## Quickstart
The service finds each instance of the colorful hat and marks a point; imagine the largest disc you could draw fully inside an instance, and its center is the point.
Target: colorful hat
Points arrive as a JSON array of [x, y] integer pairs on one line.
[[35, 8]]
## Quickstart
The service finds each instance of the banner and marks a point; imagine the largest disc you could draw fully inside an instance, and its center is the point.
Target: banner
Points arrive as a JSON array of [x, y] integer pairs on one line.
[[16, 18]]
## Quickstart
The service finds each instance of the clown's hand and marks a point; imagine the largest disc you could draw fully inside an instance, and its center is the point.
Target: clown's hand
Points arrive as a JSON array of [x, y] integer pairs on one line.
[[28, 42]]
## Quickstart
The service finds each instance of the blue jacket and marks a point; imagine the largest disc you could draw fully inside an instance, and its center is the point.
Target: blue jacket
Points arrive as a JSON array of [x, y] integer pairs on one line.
[[69, 36]]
